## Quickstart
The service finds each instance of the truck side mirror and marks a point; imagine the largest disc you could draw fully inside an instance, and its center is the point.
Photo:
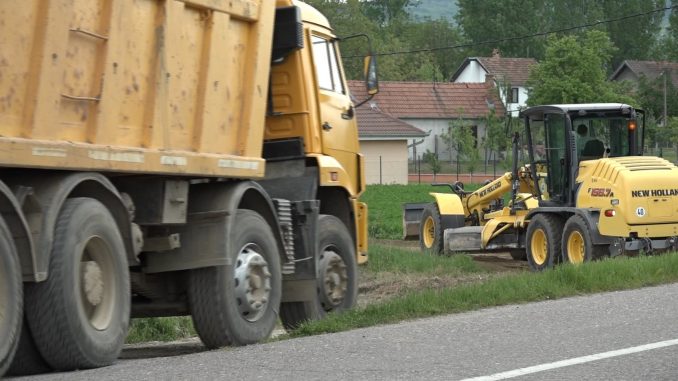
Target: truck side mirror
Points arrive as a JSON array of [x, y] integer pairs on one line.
[[370, 73]]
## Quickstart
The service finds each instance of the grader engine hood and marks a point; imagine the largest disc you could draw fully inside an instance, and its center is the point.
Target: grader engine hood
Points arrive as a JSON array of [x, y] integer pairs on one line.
[[633, 190]]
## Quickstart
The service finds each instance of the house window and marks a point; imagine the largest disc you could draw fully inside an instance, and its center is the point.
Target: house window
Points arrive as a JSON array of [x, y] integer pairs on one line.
[[514, 95], [474, 132], [326, 65]]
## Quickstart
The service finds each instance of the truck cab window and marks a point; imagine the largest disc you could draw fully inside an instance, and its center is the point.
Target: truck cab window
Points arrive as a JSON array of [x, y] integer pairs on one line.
[[326, 65]]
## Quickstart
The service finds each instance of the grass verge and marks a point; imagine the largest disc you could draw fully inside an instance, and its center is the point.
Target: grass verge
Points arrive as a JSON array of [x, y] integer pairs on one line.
[[160, 329], [563, 281], [394, 260], [385, 203]]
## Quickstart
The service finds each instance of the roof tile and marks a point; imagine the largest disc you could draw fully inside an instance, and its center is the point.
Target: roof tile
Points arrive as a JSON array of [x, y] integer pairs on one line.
[[429, 100]]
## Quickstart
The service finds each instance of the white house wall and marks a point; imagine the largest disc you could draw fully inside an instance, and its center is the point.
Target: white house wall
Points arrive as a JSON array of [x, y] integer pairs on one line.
[[472, 73], [385, 161], [514, 108]]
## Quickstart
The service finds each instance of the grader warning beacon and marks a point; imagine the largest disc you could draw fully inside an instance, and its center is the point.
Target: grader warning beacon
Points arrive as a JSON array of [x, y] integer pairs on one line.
[[586, 193]]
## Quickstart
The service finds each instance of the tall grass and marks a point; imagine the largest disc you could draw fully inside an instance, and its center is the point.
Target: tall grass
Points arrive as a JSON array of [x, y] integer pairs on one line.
[[563, 281]]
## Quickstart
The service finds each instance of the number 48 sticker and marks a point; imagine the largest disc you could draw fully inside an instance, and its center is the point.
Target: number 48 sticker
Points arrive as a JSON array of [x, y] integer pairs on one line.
[[640, 211]]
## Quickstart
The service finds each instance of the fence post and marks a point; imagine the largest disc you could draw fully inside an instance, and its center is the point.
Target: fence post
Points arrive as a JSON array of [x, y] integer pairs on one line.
[[380, 183]]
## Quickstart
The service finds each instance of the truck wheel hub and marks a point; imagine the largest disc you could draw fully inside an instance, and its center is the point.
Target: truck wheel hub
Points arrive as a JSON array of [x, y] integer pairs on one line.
[[334, 280], [252, 283], [93, 282]]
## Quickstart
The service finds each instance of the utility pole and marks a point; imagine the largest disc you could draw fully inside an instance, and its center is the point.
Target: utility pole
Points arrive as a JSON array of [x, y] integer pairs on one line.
[[664, 74]]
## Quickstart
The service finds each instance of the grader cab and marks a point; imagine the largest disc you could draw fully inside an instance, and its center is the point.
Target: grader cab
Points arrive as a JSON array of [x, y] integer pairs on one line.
[[586, 193]]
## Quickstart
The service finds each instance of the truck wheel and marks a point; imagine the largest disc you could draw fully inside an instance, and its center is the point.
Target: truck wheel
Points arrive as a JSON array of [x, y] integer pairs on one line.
[[544, 236], [578, 246], [431, 230], [80, 315], [27, 360], [11, 298], [337, 283], [238, 304]]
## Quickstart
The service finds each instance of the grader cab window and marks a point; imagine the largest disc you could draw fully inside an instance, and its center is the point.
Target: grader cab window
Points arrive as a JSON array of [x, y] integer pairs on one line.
[[604, 137], [549, 150]]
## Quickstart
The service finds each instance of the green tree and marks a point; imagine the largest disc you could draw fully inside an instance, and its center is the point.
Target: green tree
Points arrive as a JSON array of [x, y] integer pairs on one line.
[[495, 135], [432, 160], [460, 136], [573, 72], [650, 95], [634, 37], [486, 20]]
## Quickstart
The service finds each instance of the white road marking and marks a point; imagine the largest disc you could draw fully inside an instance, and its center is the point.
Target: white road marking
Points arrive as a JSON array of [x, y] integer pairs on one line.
[[573, 361]]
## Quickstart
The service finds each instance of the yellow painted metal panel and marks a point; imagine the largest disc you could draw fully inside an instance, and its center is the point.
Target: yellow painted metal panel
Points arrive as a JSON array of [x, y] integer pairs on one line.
[[242, 9], [361, 225], [15, 58], [449, 203], [183, 78]]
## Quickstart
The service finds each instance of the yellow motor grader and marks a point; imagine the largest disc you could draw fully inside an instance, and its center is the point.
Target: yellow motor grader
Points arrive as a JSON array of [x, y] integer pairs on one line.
[[586, 193]]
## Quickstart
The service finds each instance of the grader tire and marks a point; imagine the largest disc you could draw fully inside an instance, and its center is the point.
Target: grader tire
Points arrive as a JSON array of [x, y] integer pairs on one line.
[[11, 298], [337, 283], [577, 244], [238, 304], [543, 241], [431, 232], [79, 316]]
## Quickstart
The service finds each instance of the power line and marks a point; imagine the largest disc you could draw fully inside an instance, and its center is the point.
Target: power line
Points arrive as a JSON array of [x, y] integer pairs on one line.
[[523, 37]]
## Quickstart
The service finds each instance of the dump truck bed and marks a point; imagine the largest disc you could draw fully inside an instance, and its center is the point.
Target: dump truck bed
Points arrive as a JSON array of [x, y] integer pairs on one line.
[[147, 86]]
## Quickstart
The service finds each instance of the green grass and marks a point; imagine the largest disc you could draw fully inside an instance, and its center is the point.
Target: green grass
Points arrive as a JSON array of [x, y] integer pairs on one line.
[[563, 281], [388, 259], [385, 205], [160, 329]]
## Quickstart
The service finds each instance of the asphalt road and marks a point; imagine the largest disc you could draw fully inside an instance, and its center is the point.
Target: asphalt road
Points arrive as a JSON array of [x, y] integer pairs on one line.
[[629, 335]]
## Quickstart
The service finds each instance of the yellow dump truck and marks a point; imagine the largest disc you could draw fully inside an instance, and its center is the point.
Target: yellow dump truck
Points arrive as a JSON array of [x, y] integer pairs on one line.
[[172, 157]]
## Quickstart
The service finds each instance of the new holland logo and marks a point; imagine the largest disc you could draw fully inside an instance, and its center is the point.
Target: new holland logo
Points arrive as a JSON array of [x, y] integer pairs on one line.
[[654, 193]]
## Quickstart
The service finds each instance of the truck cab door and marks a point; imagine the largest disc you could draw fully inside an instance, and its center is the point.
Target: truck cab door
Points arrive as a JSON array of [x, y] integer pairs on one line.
[[337, 114]]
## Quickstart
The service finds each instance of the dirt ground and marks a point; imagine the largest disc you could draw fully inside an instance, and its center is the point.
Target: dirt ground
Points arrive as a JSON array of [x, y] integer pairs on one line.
[[375, 288], [372, 288]]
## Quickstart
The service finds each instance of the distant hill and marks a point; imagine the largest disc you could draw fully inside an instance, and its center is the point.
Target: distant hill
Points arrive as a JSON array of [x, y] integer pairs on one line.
[[434, 9]]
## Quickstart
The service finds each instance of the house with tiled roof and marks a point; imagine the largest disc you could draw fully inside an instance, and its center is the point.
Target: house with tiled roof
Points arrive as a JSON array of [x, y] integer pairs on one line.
[[632, 71], [383, 143], [509, 74], [431, 106]]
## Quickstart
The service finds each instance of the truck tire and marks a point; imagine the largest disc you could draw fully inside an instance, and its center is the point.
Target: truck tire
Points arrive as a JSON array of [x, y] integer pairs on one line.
[[543, 241], [79, 316], [337, 282], [27, 360], [431, 230], [11, 298], [577, 244], [238, 304]]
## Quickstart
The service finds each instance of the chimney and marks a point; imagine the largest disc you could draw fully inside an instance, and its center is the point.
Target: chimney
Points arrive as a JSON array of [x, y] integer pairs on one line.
[[496, 53]]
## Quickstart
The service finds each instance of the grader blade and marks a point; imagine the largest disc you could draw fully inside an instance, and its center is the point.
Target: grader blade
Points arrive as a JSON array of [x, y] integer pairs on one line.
[[465, 239], [412, 219]]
